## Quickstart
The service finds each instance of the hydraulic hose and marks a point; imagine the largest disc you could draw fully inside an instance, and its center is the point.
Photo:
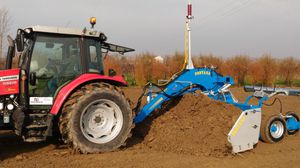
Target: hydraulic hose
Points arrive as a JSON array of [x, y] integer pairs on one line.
[[276, 99]]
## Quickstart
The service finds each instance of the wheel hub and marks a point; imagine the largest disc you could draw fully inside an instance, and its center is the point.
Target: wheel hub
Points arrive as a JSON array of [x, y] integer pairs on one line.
[[101, 121], [277, 129], [98, 119]]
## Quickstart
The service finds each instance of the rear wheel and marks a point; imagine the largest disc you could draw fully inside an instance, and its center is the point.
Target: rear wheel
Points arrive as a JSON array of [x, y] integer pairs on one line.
[[273, 129], [292, 115], [96, 118]]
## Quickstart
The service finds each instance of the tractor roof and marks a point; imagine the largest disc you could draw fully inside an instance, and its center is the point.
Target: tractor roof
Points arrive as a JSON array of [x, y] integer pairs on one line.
[[79, 32], [62, 30]]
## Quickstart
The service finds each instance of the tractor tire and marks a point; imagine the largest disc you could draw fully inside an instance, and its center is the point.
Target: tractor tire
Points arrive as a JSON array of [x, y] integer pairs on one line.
[[96, 118], [273, 129], [295, 116]]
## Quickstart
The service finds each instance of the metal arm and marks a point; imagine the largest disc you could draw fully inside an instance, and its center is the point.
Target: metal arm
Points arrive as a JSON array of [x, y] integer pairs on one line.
[[269, 90], [204, 79]]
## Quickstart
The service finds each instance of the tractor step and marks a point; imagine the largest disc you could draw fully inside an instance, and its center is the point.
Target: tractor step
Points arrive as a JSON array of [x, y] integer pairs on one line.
[[36, 127], [38, 115], [34, 139]]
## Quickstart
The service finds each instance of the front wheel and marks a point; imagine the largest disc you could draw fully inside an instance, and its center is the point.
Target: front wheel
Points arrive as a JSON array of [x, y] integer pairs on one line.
[[273, 130], [96, 118]]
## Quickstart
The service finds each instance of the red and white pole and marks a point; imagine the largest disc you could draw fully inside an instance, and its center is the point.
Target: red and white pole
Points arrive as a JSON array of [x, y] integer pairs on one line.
[[189, 17]]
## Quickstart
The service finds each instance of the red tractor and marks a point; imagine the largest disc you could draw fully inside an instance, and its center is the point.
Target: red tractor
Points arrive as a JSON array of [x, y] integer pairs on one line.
[[60, 86]]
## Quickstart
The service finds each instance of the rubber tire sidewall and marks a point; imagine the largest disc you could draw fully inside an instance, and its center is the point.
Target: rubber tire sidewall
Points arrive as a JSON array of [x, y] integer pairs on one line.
[[90, 147], [265, 133]]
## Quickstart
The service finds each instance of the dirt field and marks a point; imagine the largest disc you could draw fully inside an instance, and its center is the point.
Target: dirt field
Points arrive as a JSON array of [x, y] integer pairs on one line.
[[191, 134]]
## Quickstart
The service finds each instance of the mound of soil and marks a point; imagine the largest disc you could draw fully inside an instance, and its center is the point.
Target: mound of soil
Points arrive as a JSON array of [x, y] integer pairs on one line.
[[197, 125]]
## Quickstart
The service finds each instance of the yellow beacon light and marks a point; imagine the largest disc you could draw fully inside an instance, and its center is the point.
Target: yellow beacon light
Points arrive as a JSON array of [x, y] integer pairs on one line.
[[93, 21]]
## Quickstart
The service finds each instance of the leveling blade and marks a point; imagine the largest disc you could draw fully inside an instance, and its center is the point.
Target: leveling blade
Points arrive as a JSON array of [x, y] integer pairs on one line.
[[245, 132]]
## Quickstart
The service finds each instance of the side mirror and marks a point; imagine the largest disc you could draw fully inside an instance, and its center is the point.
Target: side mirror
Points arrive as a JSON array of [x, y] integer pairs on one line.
[[10, 52], [112, 72], [102, 37], [32, 78], [9, 57], [20, 40]]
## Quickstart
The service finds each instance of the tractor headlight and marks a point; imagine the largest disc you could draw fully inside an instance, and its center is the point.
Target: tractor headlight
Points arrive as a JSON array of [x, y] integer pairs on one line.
[[10, 107], [1, 106]]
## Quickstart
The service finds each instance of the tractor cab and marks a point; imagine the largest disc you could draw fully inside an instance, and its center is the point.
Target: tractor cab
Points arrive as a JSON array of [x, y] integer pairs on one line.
[[51, 57]]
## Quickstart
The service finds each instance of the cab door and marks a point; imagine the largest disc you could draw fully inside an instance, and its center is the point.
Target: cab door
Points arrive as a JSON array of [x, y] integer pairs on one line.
[[55, 61]]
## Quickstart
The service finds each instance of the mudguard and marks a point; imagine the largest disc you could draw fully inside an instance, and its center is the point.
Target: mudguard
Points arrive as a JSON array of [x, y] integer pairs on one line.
[[65, 92]]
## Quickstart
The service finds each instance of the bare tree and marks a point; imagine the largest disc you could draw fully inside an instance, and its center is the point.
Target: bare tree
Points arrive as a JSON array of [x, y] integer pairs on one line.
[[5, 23], [239, 67], [288, 69], [269, 69]]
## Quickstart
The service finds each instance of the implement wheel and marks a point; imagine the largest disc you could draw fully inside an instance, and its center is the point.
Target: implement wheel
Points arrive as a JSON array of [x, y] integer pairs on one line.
[[96, 118], [294, 116], [273, 130]]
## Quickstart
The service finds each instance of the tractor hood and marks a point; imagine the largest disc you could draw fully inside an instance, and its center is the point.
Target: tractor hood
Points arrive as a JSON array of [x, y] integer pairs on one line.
[[9, 81]]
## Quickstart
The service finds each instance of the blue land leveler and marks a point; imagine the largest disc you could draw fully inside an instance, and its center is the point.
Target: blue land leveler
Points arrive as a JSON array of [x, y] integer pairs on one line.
[[246, 132]]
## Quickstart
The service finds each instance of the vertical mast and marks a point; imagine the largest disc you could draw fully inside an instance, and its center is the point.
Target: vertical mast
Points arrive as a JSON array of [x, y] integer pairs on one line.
[[189, 17]]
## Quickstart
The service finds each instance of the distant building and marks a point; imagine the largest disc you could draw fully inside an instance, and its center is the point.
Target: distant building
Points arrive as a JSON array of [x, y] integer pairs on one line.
[[159, 59]]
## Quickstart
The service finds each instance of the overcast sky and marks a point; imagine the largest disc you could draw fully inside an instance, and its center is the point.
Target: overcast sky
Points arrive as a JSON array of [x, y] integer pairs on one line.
[[221, 27]]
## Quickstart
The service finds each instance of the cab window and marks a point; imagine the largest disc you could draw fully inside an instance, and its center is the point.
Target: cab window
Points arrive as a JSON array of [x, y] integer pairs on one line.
[[94, 55], [55, 60]]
